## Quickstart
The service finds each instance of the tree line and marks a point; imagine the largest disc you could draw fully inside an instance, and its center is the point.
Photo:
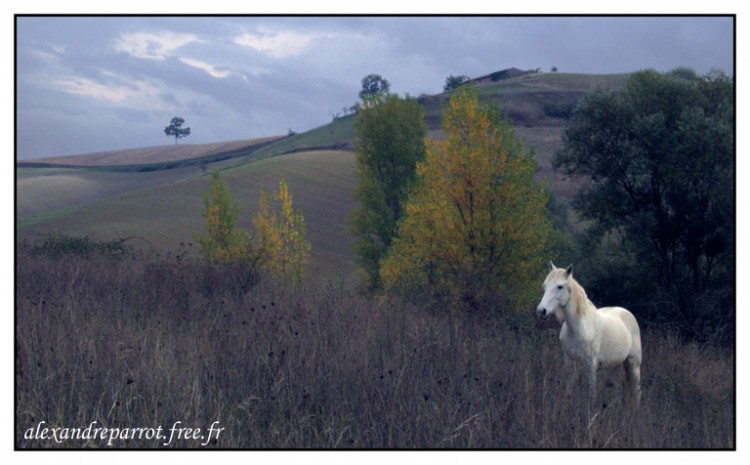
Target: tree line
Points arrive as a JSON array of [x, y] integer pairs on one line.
[[463, 221], [655, 167], [459, 221]]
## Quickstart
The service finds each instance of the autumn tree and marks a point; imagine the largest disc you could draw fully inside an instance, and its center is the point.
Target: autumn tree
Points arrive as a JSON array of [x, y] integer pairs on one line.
[[476, 224], [281, 234], [222, 242], [389, 142]]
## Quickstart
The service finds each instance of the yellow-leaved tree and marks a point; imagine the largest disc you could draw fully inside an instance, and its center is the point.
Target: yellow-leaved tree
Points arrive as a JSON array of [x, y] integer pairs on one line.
[[281, 235], [475, 226]]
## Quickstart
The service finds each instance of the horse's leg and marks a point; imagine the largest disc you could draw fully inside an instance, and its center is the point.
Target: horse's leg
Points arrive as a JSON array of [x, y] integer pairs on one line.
[[591, 366], [633, 369], [570, 369], [628, 394], [632, 380]]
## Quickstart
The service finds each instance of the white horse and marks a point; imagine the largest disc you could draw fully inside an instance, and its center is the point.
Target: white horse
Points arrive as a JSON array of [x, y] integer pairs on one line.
[[599, 338]]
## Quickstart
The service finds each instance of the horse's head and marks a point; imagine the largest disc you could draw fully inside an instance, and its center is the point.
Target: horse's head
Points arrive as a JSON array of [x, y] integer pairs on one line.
[[557, 288]]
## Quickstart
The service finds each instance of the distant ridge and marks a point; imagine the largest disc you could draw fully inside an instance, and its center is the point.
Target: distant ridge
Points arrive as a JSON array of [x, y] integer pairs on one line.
[[148, 155], [501, 75], [529, 99]]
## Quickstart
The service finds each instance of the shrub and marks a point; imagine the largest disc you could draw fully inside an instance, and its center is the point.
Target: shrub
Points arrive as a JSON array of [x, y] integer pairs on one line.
[[57, 245], [558, 110]]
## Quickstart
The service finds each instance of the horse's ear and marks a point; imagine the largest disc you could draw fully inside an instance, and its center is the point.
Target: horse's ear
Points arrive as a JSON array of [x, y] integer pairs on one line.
[[569, 271], [552, 266]]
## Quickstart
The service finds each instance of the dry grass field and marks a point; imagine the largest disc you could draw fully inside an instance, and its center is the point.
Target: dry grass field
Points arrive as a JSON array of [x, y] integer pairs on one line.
[[146, 343]]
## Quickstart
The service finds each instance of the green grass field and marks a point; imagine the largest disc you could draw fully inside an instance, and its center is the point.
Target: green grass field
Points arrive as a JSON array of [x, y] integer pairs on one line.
[[168, 214], [41, 191]]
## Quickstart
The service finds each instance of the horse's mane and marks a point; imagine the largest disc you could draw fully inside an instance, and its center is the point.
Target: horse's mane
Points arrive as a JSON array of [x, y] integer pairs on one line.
[[579, 301]]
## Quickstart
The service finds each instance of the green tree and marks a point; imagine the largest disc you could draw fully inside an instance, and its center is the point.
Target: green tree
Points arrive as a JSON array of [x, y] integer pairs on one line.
[[656, 165], [281, 233], [222, 242], [175, 129], [475, 226], [453, 82], [374, 86], [389, 143]]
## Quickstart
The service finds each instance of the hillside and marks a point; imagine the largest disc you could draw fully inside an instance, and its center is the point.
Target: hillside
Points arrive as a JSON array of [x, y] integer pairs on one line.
[[168, 215], [156, 193], [159, 154]]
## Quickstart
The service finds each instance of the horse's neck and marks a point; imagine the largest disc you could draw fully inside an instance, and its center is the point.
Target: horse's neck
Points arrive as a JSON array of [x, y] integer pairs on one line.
[[579, 309]]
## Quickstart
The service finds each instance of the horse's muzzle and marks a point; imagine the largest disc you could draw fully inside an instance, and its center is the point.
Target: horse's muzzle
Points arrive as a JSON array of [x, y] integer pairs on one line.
[[542, 313]]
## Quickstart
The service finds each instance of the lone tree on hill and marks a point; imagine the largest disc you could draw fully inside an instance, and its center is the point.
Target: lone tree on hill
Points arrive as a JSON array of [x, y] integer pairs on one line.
[[175, 129], [374, 85], [453, 82]]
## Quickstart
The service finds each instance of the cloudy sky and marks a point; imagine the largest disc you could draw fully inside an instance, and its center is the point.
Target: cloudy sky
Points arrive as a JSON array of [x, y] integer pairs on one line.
[[104, 83]]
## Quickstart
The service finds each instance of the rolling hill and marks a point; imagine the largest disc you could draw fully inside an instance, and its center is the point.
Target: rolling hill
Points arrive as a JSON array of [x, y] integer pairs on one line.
[[168, 215], [159, 154], [156, 193]]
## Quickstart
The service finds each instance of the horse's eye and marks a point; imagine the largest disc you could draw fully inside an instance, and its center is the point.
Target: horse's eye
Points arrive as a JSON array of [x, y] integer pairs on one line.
[[560, 286]]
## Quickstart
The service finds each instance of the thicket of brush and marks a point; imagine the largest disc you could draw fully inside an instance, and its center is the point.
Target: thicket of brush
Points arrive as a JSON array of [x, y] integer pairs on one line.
[[137, 342]]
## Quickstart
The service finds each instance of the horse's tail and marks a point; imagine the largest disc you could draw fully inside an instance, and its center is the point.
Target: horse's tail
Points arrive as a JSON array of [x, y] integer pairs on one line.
[[626, 372]]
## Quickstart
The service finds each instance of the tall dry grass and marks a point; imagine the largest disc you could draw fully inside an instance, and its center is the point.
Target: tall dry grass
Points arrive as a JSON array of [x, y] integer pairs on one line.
[[140, 343]]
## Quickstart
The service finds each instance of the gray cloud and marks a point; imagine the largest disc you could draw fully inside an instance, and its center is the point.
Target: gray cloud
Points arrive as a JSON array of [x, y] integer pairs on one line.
[[105, 83]]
